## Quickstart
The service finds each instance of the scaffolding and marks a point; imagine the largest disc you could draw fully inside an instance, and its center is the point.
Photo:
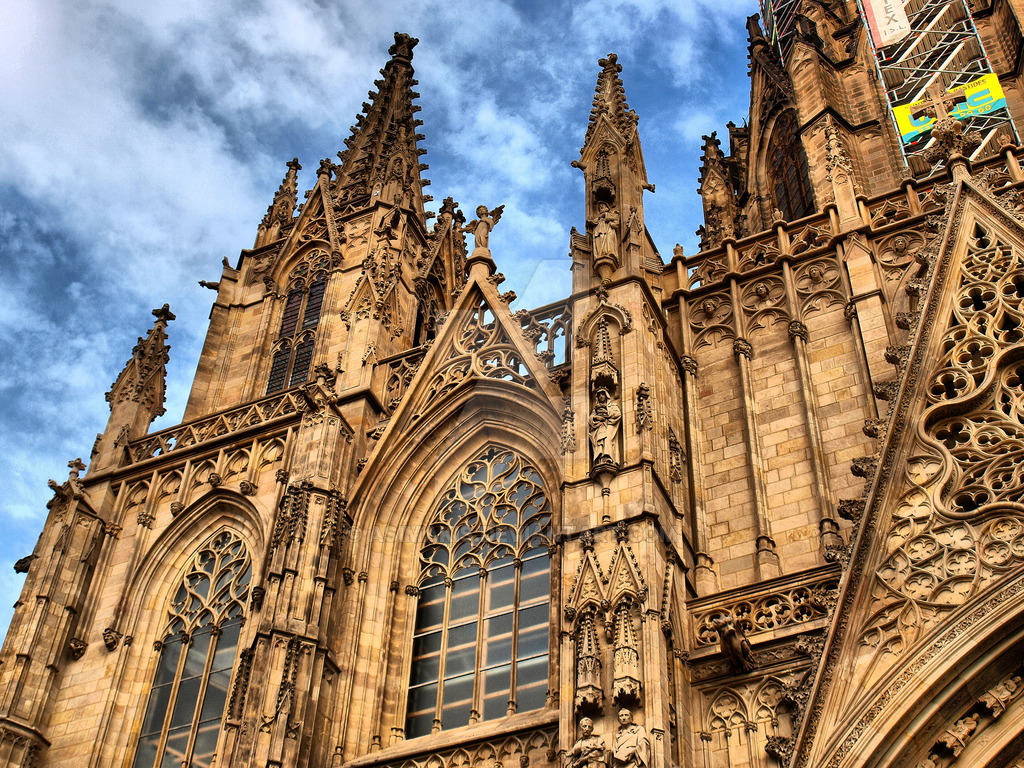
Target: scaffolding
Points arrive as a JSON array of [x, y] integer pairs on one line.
[[935, 65]]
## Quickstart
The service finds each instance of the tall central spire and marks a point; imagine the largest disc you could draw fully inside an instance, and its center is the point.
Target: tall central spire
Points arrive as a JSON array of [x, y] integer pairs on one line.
[[381, 160]]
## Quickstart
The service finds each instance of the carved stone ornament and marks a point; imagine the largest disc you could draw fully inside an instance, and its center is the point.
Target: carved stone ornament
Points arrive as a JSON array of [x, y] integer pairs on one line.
[[214, 480], [632, 746], [76, 648], [247, 488], [176, 508], [24, 563], [644, 413], [734, 644], [111, 638]]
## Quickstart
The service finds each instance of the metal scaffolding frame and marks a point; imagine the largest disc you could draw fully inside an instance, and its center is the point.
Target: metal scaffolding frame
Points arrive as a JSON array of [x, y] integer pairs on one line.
[[942, 51]]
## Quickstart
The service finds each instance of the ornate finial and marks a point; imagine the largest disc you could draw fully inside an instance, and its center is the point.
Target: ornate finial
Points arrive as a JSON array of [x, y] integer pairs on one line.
[[951, 142], [402, 49], [164, 314]]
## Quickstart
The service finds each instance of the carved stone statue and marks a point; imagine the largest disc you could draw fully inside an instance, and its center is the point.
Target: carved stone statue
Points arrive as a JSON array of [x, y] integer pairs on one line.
[[605, 225], [735, 645], [588, 751], [632, 747], [603, 427], [481, 228]]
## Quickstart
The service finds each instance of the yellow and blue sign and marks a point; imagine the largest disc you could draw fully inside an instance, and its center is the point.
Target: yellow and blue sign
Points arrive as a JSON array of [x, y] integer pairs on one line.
[[978, 97]]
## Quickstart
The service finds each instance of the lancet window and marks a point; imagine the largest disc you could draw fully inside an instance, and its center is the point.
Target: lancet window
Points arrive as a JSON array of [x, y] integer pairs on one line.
[[787, 170], [480, 646], [197, 653], [293, 349]]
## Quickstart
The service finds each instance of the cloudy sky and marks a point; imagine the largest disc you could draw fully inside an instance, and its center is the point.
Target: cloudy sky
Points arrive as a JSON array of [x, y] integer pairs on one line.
[[140, 144]]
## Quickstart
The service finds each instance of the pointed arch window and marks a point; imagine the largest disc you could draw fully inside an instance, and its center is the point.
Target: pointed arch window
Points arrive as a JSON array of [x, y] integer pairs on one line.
[[480, 645], [293, 349], [197, 653], [787, 170]]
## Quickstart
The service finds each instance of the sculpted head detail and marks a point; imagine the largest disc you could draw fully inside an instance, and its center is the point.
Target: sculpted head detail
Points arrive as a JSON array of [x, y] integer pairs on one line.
[[625, 717], [586, 726]]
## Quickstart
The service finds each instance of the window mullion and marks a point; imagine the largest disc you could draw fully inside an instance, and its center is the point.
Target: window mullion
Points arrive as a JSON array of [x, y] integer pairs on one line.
[[476, 713], [513, 678], [442, 661]]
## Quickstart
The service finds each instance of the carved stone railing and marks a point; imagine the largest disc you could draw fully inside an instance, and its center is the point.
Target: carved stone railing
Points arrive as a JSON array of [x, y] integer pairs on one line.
[[531, 745], [548, 328], [787, 602], [808, 236], [218, 425]]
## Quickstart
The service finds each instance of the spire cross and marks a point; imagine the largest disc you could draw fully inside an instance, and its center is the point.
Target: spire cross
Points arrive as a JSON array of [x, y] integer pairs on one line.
[[164, 314]]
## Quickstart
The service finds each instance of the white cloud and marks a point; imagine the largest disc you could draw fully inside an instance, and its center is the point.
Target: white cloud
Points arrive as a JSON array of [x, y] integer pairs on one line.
[[140, 144]]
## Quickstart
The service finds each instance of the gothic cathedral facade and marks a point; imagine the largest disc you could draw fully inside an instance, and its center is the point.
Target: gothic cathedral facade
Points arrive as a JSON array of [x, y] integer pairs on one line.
[[757, 507]]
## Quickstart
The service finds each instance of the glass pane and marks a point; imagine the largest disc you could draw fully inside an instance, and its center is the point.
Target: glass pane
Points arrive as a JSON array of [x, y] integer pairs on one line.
[[279, 370], [216, 696], [419, 725], [533, 641], [303, 356], [534, 581], [195, 661], [156, 713], [177, 743], [227, 645], [531, 672], [425, 670], [496, 691], [205, 745], [430, 611], [500, 588], [146, 754], [423, 700], [168, 665], [458, 701], [461, 650], [185, 705], [291, 313], [498, 640], [313, 304], [465, 598]]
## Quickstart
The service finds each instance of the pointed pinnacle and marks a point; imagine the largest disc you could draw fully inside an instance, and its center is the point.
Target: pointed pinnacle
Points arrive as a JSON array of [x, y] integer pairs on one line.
[[610, 98], [402, 49]]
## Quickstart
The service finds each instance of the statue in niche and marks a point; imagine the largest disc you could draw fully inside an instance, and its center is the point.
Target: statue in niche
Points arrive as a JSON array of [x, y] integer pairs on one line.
[[605, 225], [481, 228], [588, 751], [603, 428], [632, 747]]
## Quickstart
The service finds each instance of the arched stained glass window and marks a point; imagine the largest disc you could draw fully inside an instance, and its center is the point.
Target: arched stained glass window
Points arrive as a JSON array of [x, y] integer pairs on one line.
[[197, 653], [787, 170], [293, 349], [480, 647]]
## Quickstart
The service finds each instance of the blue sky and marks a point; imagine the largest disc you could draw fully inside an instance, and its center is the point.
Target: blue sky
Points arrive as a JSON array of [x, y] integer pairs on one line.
[[140, 144]]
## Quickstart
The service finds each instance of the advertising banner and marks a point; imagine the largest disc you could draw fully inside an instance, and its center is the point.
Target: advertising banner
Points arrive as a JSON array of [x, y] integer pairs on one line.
[[978, 97], [887, 20]]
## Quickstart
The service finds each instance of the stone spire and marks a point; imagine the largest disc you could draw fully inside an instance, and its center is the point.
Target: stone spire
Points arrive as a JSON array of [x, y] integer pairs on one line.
[[282, 210], [381, 159], [716, 192], [137, 395], [616, 178], [610, 99]]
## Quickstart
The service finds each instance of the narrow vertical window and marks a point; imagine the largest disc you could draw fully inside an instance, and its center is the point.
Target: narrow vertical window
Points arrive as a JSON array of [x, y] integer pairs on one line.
[[788, 174], [480, 646], [197, 653], [293, 350]]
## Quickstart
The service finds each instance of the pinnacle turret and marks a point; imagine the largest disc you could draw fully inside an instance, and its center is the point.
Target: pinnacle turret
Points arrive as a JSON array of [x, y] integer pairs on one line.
[[282, 209], [137, 395]]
